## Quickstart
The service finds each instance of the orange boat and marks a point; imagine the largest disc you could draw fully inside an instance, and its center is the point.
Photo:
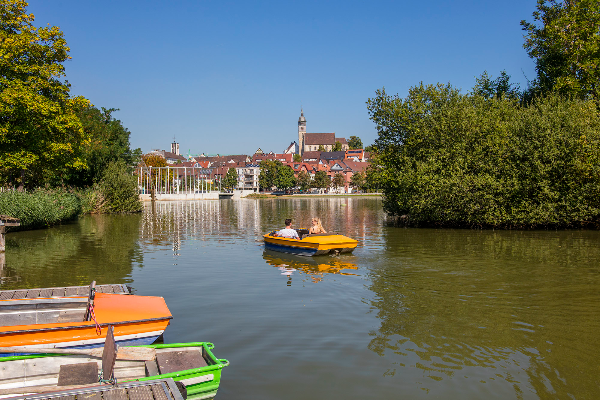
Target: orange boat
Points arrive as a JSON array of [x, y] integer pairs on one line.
[[82, 321]]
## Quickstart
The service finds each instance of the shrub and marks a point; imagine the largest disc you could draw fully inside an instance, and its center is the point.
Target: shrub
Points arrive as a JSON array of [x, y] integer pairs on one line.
[[40, 208], [117, 191]]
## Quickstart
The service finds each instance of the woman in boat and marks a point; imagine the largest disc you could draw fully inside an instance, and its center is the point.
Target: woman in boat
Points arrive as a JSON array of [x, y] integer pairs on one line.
[[316, 227]]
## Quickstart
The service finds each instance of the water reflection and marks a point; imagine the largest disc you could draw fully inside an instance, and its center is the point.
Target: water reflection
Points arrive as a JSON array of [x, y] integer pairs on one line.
[[520, 307], [97, 247], [315, 268]]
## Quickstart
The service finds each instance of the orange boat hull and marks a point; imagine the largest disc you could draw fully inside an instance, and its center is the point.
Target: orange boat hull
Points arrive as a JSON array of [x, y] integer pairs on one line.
[[136, 320]]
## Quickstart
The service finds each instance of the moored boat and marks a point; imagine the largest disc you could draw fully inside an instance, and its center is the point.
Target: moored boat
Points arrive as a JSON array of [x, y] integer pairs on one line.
[[82, 321], [193, 364], [310, 245]]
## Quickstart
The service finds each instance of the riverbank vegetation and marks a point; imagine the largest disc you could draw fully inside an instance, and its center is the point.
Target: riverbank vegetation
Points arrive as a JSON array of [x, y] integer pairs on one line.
[[499, 156], [50, 140]]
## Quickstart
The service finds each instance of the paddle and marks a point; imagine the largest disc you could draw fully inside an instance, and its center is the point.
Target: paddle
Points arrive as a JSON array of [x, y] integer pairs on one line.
[[123, 353]]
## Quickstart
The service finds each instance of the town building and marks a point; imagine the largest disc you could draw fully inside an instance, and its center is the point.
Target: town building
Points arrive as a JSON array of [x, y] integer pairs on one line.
[[316, 141]]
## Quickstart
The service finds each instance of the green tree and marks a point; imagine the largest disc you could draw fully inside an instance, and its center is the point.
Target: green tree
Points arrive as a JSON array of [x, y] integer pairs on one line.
[[357, 180], [321, 180], [355, 143], [338, 181], [371, 148], [297, 158], [109, 142], [564, 41], [321, 148], [337, 146], [268, 173], [285, 178], [464, 160], [118, 188], [41, 137], [304, 181], [487, 87], [231, 179]]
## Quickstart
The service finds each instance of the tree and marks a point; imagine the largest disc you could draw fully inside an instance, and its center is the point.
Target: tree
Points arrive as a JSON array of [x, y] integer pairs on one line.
[[337, 146], [109, 142], [231, 179], [41, 137], [321, 148], [338, 181], [321, 180], [268, 173], [285, 178], [157, 179], [449, 159], [496, 88], [371, 148], [564, 40], [303, 181], [357, 180], [297, 158], [355, 143]]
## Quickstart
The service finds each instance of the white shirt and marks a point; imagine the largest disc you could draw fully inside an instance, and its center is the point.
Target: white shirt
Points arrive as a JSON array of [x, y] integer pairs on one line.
[[288, 233]]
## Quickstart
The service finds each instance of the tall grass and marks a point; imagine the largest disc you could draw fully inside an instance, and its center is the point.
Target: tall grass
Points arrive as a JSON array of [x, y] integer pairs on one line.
[[40, 208]]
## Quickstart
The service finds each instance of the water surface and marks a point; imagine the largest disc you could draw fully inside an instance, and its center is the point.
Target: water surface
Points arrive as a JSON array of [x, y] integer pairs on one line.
[[413, 313]]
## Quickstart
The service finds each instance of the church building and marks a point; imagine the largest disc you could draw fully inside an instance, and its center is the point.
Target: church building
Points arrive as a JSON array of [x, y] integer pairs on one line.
[[315, 141]]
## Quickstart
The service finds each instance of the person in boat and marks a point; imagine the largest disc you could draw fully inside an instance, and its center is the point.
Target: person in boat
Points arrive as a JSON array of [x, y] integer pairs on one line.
[[316, 227], [288, 232]]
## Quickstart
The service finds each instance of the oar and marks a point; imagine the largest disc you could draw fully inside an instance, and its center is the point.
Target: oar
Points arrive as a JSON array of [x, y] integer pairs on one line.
[[124, 353]]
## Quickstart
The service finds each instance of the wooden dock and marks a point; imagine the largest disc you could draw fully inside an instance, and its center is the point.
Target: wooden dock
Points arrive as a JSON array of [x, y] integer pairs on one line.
[[68, 291], [157, 389]]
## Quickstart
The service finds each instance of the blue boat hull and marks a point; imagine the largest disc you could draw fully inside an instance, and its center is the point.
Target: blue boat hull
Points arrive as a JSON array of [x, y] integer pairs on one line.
[[300, 251]]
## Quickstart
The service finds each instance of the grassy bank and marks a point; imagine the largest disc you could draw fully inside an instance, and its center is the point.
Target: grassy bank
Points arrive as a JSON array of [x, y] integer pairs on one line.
[[40, 208]]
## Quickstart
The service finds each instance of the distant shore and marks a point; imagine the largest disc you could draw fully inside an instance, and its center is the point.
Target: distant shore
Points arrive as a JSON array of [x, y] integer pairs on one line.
[[288, 196]]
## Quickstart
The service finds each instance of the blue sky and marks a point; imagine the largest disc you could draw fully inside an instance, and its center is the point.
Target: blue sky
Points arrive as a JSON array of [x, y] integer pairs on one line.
[[230, 76]]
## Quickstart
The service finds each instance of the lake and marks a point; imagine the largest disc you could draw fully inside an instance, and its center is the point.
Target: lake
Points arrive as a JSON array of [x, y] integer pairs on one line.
[[412, 313]]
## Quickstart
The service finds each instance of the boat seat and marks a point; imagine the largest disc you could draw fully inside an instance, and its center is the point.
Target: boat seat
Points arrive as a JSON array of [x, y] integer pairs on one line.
[[174, 361], [78, 374]]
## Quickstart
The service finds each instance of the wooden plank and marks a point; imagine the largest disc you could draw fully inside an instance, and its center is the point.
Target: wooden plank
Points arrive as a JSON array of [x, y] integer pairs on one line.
[[58, 292], [83, 290], [151, 368], [72, 397], [46, 293], [109, 355], [140, 393], [78, 374], [174, 361], [33, 294], [71, 291]]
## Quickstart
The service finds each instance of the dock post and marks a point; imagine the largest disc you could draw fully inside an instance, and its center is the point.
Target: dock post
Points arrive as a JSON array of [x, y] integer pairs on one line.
[[4, 222]]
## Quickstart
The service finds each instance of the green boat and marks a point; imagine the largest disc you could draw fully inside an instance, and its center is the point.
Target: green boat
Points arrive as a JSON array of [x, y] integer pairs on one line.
[[192, 364]]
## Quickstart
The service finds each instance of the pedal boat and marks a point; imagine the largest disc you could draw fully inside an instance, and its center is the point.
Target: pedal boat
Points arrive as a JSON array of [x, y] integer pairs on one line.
[[310, 245], [192, 364], [67, 321]]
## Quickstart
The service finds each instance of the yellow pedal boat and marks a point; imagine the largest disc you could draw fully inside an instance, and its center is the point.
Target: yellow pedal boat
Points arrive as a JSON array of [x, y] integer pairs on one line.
[[310, 245]]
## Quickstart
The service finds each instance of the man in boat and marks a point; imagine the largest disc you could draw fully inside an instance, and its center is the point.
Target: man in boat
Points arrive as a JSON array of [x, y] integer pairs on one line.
[[288, 232]]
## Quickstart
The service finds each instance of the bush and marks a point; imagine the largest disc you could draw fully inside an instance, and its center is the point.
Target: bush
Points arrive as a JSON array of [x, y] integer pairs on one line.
[[463, 160], [40, 208], [117, 191]]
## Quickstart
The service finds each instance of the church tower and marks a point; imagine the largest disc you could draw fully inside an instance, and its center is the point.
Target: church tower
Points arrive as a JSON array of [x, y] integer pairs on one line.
[[301, 132]]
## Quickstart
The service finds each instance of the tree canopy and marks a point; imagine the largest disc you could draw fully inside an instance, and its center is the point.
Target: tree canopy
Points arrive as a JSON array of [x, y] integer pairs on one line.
[[285, 177], [354, 143], [41, 137], [303, 181], [321, 180], [450, 159], [231, 179], [564, 41], [268, 173]]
